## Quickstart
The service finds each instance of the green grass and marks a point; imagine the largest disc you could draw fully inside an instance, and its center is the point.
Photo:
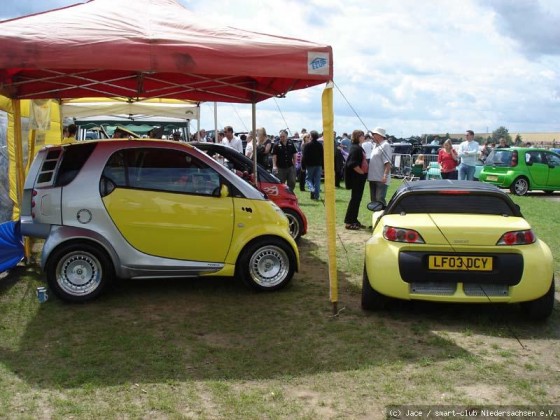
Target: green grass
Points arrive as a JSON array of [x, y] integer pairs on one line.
[[210, 348]]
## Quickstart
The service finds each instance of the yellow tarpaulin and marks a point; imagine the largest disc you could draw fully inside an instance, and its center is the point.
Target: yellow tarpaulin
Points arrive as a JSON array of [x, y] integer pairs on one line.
[[22, 143]]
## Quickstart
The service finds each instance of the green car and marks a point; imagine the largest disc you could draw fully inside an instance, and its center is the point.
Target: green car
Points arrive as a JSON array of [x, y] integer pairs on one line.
[[522, 169]]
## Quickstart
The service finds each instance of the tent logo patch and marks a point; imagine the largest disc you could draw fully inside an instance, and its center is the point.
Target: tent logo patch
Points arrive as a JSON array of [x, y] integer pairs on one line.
[[317, 63]]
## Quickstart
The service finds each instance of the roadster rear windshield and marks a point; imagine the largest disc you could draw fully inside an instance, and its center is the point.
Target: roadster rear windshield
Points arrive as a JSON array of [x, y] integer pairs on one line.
[[471, 203]]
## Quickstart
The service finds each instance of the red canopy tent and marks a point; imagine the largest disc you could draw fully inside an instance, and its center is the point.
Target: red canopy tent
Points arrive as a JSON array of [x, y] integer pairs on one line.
[[157, 49], [150, 48]]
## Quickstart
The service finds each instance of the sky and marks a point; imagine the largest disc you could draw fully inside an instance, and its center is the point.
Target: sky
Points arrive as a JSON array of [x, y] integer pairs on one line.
[[411, 67]]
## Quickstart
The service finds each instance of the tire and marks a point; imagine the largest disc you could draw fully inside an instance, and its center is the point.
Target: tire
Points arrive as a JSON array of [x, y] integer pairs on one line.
[[266, 264], [520, 186], [541, 308], [78, 272], [372, 300], [296, 223]]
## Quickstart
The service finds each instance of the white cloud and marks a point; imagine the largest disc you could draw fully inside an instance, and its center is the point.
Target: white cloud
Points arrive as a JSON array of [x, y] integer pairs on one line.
[[411, 66]]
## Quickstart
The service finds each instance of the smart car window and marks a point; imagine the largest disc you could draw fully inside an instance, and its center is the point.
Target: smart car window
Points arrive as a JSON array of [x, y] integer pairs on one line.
[[73, 159], [553, 159], [450, 203], [172, 171], [533, 157], [499, 158], [115, 169]]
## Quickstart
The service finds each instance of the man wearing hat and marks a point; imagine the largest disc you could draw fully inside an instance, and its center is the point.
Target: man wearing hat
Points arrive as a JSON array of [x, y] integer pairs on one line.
[[379, 172], [468, 152]]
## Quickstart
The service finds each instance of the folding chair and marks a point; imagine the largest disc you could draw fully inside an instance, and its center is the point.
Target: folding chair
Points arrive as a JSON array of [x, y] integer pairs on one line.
[[416, 172], [434, 171]]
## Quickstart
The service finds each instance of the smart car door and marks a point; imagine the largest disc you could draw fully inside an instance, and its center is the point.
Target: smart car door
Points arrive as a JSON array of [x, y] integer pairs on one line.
[[553, 171], [167, 203], [537, 168]]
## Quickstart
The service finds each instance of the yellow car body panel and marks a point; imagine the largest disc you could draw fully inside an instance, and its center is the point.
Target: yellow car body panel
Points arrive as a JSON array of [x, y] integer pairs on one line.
[[170, 225], [459, 229], [383, 255], [254, 219], [193, 227]]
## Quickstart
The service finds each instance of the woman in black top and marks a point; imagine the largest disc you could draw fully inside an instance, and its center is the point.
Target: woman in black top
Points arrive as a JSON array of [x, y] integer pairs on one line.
[[264, 147], [356, 171]]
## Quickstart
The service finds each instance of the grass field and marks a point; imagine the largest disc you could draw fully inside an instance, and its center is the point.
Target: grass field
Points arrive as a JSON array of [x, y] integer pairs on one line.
[[210, 348]]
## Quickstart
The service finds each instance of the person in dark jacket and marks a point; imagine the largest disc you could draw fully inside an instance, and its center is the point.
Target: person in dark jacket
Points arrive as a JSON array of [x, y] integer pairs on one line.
[[355, 177], [312, 162]]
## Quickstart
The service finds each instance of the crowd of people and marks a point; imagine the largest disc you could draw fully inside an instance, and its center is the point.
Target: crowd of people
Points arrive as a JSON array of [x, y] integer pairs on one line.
[[358, 159]]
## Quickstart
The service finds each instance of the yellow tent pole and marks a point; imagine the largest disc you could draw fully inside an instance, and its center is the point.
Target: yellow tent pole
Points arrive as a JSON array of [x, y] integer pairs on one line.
[[27, 241], [328, 152], [30, 150], [16, 106], [18, 150]]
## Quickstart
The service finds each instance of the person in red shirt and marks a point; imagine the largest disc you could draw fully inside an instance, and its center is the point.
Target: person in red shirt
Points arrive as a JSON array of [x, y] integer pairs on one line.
[[448, 160]]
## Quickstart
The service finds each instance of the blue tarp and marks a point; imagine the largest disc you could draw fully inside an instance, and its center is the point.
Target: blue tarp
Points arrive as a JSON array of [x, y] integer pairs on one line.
[[11, 245]]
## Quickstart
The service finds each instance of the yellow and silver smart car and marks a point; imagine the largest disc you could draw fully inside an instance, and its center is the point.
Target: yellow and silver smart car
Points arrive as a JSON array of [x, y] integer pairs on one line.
[[149, 209], [456, 241]]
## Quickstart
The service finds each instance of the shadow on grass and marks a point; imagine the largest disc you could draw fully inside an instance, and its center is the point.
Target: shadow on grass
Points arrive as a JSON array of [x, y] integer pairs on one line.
[[10, 278], [216, 329]]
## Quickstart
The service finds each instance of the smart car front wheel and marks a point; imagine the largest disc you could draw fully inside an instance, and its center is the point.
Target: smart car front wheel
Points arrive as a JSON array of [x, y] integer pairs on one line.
[[78, 272], [267, 264]]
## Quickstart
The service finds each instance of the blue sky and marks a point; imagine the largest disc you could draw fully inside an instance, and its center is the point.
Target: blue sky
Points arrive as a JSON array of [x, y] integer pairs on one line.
[[412, 67]]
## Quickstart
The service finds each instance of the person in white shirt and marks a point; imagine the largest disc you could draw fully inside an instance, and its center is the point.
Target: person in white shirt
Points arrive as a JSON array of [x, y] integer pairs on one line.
[[201, 136], [379, 171], [468, 152], [367, 145], [232, 141]]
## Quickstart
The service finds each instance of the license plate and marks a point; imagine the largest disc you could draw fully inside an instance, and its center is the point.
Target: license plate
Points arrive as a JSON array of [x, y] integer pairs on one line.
[[459, 263], [492, 178]]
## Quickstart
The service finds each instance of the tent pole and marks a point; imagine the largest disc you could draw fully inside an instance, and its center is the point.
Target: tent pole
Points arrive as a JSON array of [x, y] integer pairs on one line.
[[18, 150], [254, 128], [16, 106], [198, 123], [215, 122], [329, 145]]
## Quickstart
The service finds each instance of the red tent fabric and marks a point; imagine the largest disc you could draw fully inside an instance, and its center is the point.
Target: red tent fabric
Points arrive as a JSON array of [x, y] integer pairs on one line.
[[150, 48]]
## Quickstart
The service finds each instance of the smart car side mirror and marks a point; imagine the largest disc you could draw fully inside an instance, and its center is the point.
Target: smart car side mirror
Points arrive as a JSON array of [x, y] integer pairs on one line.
[[224, 191]]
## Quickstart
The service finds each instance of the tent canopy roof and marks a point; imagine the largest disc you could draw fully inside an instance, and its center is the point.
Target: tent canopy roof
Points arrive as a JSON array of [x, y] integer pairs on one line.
[[150, 48], [124, 109]]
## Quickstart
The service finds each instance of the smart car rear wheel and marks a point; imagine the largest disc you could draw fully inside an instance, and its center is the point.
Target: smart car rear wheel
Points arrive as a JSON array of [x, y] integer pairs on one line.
[[541, 308], [267, 264], [78, 272], [296, 223], [372, 300], [520, 186]]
